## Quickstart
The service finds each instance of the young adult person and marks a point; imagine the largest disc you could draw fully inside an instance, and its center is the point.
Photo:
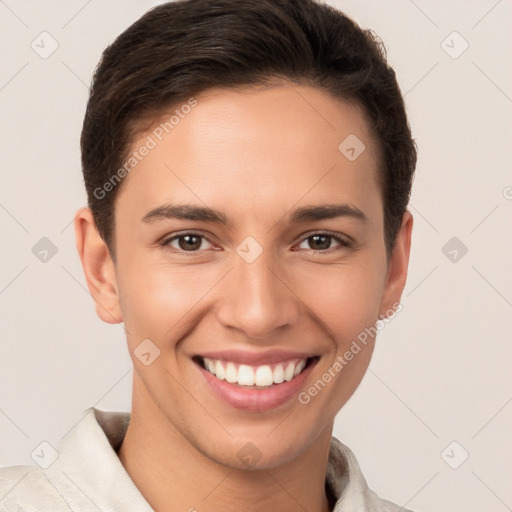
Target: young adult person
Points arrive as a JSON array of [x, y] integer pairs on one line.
[[248, 166]]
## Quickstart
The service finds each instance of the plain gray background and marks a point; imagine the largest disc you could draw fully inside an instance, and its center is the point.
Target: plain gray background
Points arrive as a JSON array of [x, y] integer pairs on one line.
[[438, 387]]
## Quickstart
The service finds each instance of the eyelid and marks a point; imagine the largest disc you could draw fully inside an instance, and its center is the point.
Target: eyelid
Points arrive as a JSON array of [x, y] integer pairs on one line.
[[343, 240], [165, 242], [340, 236]]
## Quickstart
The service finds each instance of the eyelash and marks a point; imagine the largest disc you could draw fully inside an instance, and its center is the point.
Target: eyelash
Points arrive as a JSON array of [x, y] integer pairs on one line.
[[343, 242]]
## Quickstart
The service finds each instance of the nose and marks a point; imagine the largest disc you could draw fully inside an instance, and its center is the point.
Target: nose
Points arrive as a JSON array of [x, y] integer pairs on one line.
[[258, 299]]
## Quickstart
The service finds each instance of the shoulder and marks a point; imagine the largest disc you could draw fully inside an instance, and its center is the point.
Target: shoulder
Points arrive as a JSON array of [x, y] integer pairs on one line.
[[27, 489]]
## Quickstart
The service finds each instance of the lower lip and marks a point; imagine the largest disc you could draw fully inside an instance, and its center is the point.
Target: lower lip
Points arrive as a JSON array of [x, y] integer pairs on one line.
[[253, 399]]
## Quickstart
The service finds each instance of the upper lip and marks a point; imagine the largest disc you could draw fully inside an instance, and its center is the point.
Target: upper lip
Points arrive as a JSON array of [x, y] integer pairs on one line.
[[255, 358]]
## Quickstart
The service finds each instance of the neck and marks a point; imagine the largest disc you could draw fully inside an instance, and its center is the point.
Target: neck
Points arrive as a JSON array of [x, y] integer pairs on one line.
[[174, 476]]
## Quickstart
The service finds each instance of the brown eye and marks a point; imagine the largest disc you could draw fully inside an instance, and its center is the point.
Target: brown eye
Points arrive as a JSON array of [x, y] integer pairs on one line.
[[187, 242], [322, 242]]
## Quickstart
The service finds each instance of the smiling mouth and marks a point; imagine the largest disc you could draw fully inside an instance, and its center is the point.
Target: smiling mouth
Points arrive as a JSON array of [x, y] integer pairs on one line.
[[255, 377]]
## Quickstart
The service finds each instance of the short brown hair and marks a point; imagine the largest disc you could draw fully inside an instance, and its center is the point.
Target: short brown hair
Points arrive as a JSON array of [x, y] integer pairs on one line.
[[184, 47]]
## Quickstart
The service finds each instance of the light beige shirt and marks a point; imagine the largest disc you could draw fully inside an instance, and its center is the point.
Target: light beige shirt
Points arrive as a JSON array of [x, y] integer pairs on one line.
[[85, 474]]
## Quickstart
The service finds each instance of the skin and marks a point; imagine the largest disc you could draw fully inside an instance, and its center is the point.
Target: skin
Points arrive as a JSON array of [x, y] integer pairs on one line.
[[255, 155]]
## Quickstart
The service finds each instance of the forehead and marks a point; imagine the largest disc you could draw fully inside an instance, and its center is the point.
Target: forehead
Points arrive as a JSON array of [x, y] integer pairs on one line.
[[258, 147], [283, 114]]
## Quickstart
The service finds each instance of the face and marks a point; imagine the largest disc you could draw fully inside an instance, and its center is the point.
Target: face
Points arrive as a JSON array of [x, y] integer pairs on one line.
[[250, 258]]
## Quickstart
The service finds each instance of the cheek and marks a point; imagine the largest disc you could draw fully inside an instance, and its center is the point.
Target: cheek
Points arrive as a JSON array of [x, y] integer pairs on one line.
[[346, 302], [346, 299], [158, 300]]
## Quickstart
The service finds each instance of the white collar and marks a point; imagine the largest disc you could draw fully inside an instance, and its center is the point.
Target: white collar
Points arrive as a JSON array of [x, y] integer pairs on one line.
[[88, 466]]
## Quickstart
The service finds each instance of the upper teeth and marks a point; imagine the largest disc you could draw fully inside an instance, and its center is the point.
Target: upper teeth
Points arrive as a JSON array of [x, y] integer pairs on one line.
[[264, 375]]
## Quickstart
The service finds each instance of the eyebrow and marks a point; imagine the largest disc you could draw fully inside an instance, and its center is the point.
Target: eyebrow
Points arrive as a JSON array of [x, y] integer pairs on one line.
[[205, 214]]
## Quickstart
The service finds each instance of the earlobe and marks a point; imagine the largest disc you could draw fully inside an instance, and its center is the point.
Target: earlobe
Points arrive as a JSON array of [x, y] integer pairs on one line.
[[398, 266], [98, 267]]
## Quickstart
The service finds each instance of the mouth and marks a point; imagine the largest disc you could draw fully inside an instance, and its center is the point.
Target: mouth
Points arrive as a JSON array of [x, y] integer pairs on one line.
[[255, 377], [255, 383]]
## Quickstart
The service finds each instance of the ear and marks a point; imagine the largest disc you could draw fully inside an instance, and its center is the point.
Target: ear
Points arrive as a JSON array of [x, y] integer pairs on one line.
[[98, 267], [397, 267]]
